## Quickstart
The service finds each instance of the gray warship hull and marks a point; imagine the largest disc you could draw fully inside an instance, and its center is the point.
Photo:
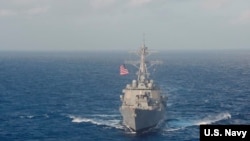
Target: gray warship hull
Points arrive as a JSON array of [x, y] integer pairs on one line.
[[142, 103], [139, 120]]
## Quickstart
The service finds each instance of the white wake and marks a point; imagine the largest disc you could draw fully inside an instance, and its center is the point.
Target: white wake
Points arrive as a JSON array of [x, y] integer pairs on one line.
[[212, 119], [182, 124], [107, 120]]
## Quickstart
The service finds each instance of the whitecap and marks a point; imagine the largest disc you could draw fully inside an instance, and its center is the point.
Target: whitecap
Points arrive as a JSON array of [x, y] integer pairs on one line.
[[213, 119], [115, 123], [103, 115], [173, 129], [30, 116], [180, 124]]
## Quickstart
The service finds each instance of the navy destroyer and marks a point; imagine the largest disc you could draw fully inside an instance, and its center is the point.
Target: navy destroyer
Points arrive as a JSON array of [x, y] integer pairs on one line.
[[143, 105]]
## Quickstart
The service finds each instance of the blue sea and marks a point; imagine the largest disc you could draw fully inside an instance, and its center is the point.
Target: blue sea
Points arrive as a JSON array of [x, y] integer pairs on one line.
[[75, 96]]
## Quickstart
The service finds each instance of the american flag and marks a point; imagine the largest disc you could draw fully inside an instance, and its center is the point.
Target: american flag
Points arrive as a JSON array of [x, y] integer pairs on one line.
[[123, 70]]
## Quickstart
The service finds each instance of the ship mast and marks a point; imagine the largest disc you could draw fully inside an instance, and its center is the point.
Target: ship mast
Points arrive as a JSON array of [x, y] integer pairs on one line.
[[143, 74]]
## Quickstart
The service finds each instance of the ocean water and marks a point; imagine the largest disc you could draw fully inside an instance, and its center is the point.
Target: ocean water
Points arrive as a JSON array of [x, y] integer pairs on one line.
[[75, 96]]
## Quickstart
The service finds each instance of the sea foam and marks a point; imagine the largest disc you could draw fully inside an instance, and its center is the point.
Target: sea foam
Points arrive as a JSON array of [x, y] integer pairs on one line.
[[97, 120]]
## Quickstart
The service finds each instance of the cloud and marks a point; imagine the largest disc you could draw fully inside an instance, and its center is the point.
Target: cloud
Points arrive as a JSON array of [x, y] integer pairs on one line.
[[37, 10], [27, 2], [23, 12], [7, 13], [213, 4], [98, 4], [135, 3], [243, 18], [23, 8]]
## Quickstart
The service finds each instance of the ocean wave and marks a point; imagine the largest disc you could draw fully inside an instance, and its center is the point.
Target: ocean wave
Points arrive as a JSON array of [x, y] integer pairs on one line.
[[114, 123], [212, 119], [175, 124], [33, 116], [103, 115], [173, 129]]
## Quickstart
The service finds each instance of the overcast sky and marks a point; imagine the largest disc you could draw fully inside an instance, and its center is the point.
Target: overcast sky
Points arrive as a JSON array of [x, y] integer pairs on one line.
[[120, 24]]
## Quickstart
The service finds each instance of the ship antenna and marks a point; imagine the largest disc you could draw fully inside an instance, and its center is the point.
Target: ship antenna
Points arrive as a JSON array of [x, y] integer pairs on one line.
[[144, 39], [142, 73], [143, 52]]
